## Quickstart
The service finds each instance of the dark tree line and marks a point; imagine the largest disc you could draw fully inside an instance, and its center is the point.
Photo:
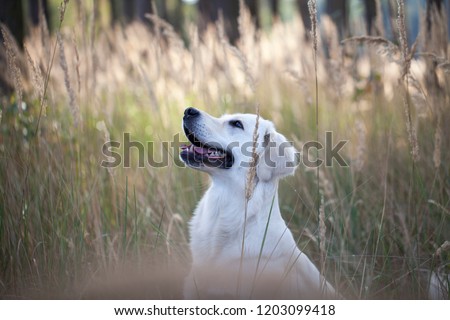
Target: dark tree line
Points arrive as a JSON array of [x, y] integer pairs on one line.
[[209, 10], [15, 17], [19, 15]]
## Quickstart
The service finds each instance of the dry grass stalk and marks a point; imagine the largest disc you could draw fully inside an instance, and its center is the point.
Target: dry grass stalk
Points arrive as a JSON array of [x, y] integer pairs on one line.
[[326, 185], [303, 84], [406, 53], [440, 206], [77, 62], [437, 141], [375, 41], [410, 57], [322, 238], [331, 38], [361, 148], [175, 218], [384, 46], [220, 27], [436, 29], [51, 57], [412, 133], [406, 64], [250, 184], [36, 76], [251, 174], [322, 228], [62, 10], [164, 28], [247, 29], [444, 66], [401, 24], [250, 80], [312, 7], [442, 249], [14, 71], [245, 23], [441, 62], [63, 63], [194, 49], [101, 126], [418, 96], [403, 227]]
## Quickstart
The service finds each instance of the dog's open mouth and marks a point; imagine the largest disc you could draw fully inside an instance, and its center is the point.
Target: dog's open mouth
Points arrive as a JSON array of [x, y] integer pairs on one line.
[[199, 153]]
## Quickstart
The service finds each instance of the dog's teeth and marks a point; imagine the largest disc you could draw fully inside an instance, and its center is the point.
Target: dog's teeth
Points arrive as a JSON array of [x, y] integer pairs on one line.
[[216, 154]]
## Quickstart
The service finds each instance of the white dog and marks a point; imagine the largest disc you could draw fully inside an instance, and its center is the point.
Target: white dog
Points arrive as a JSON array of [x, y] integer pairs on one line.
[[240, 248]]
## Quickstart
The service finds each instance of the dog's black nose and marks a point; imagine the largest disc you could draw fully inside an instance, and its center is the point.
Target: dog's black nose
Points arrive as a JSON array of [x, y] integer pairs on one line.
[[191, 113]]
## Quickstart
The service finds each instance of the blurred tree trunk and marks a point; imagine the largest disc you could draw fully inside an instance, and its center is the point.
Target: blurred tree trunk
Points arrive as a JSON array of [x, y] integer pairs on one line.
[[304, 12], [115, 11], [128, 10], [125, 11], [253, 6], [209, 12], [122, 11], [142, 8], [448, 15], [174, 14], [392, 6], [338, 11], [11, 14], [36, 7], [434, 10], [435, 40], [371, 15], [438, 3], [206, 11], [161, 8], [436, 28], [274, 7]]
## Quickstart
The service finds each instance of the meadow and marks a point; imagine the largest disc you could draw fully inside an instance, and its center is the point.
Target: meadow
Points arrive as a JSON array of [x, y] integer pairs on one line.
[[70, 227]]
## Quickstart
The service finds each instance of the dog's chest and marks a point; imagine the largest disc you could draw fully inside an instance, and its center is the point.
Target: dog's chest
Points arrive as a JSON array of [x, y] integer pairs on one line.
[[220, 233]]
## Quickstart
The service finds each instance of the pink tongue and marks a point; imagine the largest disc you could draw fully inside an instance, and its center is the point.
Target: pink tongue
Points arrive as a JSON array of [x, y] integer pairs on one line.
[[200, 150]]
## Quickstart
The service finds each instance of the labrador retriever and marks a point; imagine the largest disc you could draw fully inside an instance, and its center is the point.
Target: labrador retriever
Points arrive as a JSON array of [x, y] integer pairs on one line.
[[241, 246]]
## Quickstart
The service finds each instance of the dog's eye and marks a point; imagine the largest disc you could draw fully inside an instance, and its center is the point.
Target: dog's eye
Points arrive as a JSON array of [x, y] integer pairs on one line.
[[237, 124]]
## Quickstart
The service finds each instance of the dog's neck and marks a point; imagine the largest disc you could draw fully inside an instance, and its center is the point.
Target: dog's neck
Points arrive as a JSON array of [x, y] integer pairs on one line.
[[259, 204], [224, 216]]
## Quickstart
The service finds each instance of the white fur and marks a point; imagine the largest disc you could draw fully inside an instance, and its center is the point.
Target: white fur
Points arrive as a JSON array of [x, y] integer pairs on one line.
[[277, 269]]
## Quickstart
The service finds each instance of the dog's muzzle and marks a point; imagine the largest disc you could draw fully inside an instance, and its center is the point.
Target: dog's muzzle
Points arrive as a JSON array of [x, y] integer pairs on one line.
[[202, 153]]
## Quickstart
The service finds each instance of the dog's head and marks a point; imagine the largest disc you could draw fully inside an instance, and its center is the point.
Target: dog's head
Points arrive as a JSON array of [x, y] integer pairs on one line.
[[219, 145]]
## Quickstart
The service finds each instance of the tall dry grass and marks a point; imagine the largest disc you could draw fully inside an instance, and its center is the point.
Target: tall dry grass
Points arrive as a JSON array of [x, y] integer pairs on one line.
[[67, 224]]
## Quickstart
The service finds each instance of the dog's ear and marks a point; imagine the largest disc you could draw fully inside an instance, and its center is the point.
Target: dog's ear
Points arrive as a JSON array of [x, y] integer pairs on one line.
[[278, 158]]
